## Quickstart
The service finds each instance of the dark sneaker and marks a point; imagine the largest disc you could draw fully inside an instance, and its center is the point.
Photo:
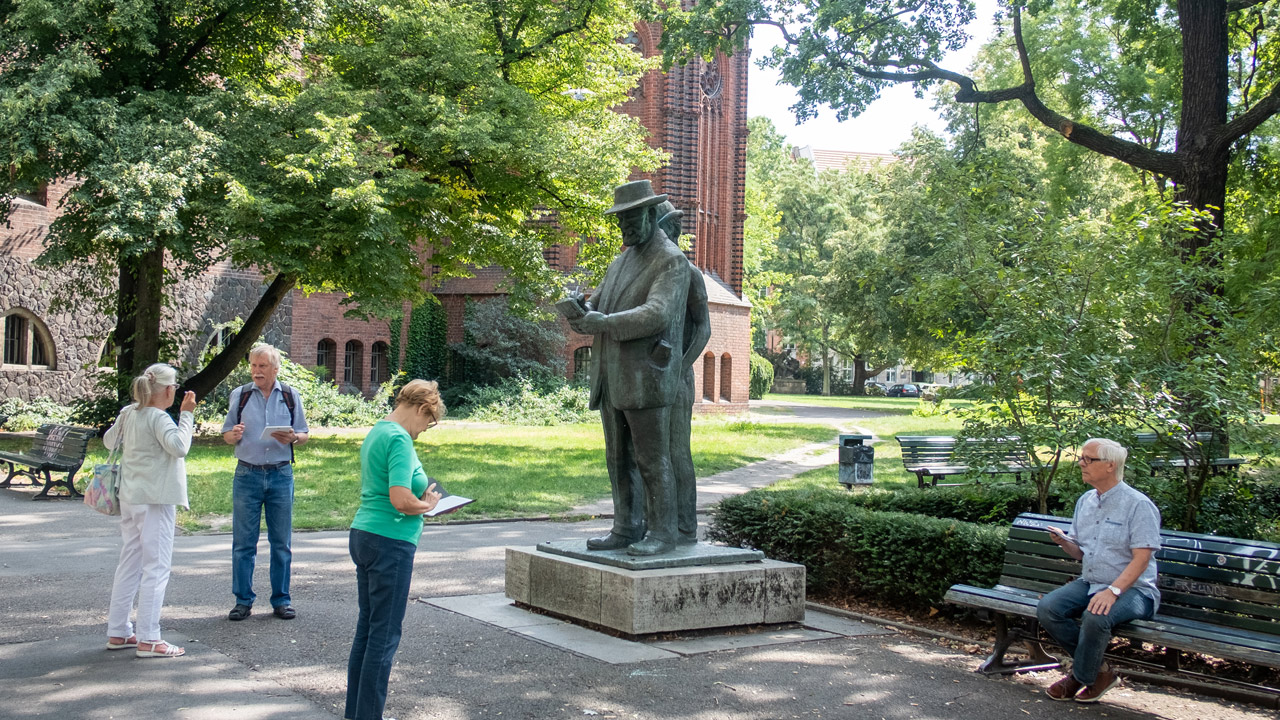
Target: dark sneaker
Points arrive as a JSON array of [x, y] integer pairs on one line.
[[1065, 689], [239, 612], [1106, 680], [284, 612]]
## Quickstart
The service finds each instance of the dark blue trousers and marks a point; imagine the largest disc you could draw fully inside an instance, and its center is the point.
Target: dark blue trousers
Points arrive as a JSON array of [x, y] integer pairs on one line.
[[384, 571]]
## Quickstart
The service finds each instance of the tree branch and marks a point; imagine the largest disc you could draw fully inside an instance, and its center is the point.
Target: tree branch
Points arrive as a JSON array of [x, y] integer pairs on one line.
[[203, 42], [1248, 122], [515, 57], [1238, 5]]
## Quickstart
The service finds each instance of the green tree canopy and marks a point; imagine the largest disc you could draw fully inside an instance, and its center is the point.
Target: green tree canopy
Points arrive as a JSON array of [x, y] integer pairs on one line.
[[331, 144]]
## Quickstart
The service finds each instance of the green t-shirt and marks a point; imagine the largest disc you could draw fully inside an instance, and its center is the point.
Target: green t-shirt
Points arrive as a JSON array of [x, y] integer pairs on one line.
[[387, 458]]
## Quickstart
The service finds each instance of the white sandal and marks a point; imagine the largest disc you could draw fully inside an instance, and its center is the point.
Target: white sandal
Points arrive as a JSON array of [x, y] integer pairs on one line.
[[155, 652], [129, 642]]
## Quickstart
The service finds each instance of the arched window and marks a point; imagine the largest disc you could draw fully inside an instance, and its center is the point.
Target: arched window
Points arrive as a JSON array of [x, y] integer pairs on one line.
[[709, 377], [327, 359], [218, 340], [582, 363], [27, 344], [107, 355], [353, 359], [726, 377], [379, 370]]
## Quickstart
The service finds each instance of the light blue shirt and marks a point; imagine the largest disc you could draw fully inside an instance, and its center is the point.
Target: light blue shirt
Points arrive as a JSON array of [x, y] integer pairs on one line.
[[1109, 528], [258, 414]]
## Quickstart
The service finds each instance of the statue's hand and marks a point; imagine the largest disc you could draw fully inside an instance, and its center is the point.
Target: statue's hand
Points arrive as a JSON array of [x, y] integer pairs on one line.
[[592, 323]]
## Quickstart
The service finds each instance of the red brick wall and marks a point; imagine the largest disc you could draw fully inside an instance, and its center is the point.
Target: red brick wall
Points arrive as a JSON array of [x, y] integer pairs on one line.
[[23, 235], [319, 316]]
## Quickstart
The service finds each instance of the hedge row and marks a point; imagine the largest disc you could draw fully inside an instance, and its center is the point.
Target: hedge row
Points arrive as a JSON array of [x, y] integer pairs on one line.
[[991, 503], [891, 557]]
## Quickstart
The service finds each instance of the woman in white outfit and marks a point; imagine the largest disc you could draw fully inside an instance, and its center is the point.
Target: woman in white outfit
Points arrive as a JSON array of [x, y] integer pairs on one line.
[[153, 481]]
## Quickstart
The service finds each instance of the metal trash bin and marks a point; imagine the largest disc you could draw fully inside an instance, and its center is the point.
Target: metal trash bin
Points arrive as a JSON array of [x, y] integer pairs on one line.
[[857, 461]]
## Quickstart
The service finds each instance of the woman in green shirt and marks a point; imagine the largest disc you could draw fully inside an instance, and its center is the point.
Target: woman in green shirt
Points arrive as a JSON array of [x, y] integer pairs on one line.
[[384, 537]]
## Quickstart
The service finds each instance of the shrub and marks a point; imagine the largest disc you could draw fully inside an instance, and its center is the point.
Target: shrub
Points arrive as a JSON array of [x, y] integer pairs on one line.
[[898, 558], [970, 503], [523, 401], [761, 376], [500, 344], [24, 416]]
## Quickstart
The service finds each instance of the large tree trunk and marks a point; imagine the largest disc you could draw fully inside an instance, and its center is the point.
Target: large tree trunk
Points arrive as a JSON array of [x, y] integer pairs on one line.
[[859, 375], [138, 305], [1202, 183], [203, 382], [826, 361]]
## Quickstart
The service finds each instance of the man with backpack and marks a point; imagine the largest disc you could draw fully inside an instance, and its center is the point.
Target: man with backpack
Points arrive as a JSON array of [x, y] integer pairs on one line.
[[264, 422]]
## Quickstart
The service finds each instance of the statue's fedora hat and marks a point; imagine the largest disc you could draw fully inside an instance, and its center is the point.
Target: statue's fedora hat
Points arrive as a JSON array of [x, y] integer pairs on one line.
[[667, 211], [632, 195]]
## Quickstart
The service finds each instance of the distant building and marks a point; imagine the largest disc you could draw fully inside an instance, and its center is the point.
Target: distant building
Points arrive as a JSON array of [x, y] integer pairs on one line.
[[842, 160]]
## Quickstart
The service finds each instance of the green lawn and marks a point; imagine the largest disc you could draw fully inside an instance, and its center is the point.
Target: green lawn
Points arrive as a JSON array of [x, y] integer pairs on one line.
[[511, 471]]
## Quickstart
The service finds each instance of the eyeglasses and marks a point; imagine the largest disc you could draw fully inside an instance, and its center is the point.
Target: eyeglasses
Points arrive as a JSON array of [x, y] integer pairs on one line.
[[1087, 461]]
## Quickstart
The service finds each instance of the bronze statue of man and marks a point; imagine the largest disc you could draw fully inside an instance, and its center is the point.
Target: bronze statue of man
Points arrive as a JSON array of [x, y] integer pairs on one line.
[[637, 316], [697, 331]]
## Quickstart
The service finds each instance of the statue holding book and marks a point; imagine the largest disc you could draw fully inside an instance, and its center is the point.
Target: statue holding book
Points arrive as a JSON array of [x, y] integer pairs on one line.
[[649, 328]]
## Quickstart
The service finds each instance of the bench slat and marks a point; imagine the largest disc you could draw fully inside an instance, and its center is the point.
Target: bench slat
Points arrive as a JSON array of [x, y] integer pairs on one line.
[[1219, 615]]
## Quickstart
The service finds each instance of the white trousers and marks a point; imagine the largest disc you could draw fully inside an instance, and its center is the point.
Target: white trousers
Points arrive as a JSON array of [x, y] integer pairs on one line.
[[143, 571]]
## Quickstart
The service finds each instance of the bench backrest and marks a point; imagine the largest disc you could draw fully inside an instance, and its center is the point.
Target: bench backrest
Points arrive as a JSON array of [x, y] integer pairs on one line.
[[61, 444], [1227, 582], [926, 450], [1152, 447]]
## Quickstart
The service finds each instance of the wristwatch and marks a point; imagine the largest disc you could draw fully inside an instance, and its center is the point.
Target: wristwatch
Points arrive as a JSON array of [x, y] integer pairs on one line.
[[1117, 591]]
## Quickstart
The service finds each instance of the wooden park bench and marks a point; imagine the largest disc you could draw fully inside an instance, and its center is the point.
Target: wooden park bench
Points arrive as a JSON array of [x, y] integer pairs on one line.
[[1219, 596], [935, 456], [54, 448], [1164, 455]]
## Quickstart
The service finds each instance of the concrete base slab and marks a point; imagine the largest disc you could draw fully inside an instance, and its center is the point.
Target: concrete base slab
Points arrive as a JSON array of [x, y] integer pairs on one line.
[[719, 643], [644, 602], [842, 626], [497, 609]]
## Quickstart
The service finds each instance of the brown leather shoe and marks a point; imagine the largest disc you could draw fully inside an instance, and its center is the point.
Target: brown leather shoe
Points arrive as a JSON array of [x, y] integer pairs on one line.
[[1065, 689], [1106, 680]]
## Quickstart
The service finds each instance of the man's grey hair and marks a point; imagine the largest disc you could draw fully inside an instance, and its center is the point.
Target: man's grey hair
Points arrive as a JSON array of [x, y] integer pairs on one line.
[[271, 353], [1110, 451]]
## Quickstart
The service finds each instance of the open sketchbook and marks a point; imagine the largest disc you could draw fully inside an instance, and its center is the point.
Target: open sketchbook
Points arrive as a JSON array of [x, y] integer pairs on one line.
[[448, 502]]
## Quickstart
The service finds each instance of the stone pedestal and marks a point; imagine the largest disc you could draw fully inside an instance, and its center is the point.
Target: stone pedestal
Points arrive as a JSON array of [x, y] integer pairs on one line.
[[666, 599]]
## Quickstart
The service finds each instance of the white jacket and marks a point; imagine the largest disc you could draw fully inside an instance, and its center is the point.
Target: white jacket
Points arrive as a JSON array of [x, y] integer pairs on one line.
[[152, 468]]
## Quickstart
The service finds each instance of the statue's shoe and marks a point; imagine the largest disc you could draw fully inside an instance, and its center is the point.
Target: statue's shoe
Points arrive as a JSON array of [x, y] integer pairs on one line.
[[612, 541], [649, 546]]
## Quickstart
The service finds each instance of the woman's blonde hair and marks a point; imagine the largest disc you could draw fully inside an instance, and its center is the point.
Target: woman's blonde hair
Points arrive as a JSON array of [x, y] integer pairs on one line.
[[151, 382], [423, 392]]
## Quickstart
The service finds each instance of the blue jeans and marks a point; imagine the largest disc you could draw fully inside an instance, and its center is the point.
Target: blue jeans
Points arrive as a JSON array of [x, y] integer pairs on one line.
[[384, 571], [253, 492], [1083, 634]]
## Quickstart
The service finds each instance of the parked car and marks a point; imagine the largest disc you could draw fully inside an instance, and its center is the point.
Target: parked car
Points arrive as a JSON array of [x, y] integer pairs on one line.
[[931, 391], [871, 387], [904, 390]]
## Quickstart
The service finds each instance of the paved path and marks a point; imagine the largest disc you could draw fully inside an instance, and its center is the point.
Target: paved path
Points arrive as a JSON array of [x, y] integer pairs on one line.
[[57, 558]]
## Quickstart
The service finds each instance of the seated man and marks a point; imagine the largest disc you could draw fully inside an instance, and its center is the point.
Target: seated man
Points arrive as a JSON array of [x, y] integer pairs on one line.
[[1115, 532]]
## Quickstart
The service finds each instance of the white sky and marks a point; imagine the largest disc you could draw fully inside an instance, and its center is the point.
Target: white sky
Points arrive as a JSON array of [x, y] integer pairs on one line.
[[885, 125]]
